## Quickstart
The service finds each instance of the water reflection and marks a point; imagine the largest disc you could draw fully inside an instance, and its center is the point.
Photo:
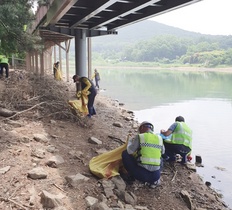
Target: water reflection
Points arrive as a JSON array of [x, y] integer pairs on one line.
[[160, 87], [203, 98]]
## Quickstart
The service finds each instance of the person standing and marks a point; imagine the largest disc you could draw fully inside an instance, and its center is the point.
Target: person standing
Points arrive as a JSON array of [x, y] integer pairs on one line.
[[142, 158], [55, 68], [97, 78], [180, 141], [4, 65], [87, 88], [0, 66]]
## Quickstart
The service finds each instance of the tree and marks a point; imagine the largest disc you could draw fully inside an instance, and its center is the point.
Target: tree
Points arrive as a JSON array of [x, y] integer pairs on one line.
[[15, 15]]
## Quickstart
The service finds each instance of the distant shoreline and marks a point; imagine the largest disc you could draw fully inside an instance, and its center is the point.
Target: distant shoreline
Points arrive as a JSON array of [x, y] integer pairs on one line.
[[198, 69]]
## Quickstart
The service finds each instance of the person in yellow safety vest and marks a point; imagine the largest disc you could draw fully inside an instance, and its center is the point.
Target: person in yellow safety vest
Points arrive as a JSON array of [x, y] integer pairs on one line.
[[142, 158], [0, 66], [180, 141], [4, 65]]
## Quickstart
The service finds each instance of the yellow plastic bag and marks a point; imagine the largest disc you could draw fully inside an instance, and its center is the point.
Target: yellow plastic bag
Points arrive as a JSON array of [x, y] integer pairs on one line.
[[80, 105], [58, 75], [107, 164]]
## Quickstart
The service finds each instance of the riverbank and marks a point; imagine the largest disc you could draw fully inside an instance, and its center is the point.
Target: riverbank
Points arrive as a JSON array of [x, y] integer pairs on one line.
[[171, 68], [37, 103]]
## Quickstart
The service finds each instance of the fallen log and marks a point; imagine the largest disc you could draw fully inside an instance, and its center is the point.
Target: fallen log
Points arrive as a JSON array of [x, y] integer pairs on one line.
[[6, 112]]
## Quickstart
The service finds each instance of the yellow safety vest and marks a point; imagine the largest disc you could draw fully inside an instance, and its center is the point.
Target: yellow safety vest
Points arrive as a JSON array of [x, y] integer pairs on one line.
[[4, 60], [150, 149], [182, 135]]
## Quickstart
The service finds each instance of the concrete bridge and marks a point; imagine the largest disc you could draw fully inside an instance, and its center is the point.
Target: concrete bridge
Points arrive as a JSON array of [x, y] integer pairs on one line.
[[59, 21]]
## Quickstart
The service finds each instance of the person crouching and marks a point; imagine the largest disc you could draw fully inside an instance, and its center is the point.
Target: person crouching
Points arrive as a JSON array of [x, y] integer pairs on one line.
[[142, 158]]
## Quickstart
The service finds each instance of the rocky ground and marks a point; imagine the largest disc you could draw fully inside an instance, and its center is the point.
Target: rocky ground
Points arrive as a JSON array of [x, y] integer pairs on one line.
[[45, 152]]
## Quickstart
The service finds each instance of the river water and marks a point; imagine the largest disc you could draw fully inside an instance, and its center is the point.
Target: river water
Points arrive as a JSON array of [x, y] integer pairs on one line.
[[204, 99]]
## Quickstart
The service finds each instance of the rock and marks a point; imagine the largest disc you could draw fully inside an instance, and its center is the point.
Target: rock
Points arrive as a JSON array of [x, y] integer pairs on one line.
[[208, 184], [6, 112], [94, 140], [91, 200], [4, 170], [129, 207], [101, 151], [33, 193], [55, 161], [25, 139], [198, 159], [130, 112], [128, 118], [185, 195], [117, 124], [76, 154], [75, 180], [52, 121], [49, 200], [39, 153], [191, 166], [108, 186], [130, 198], [100, 206], [37, 173], [51, 149], [141, 208], [119, 183], [41, 138]]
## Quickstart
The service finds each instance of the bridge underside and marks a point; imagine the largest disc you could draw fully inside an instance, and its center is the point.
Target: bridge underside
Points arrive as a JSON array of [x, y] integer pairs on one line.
[[98, 17], [61, 20]]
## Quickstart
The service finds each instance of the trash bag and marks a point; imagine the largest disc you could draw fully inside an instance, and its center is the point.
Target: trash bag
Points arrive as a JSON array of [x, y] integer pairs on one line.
[[108, 164], [58, 75], [80, 105]]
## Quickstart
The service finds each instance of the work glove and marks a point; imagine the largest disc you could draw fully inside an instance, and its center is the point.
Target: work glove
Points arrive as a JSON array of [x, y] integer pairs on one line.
[[85, 92], [78, 94]]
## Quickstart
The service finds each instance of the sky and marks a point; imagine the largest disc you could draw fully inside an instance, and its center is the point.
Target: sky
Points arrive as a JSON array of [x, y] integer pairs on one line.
[[206, 17]]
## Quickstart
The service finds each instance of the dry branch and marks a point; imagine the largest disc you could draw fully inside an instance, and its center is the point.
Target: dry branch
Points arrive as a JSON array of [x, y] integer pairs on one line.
[[59, 188], [32, 92], [174, 176], [18, 113]]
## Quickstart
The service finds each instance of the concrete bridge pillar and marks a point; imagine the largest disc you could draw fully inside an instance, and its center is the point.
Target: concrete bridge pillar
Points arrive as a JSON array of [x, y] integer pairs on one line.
[[80, 53]]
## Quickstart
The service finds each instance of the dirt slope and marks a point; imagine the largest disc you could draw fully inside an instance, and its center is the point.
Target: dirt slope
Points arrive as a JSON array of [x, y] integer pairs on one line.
[[68, 137]]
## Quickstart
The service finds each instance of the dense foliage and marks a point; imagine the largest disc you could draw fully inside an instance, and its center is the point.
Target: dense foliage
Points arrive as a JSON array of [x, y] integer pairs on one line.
[[175, 47], [169, 49], [15, 16]]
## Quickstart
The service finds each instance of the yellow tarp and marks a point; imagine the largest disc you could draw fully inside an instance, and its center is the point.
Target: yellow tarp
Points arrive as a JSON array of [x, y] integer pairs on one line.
[[58, 74], [107, 164], [80, 105]]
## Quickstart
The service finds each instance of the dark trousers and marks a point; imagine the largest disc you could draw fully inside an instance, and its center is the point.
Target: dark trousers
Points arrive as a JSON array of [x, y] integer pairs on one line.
[[6, 67], [91, 98], [138, 172], [96, 81], [172, 149]]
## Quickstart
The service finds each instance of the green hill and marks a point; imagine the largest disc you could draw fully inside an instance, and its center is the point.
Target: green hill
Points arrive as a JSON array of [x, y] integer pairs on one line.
[[150, 41], [140, 31], [144, 30]]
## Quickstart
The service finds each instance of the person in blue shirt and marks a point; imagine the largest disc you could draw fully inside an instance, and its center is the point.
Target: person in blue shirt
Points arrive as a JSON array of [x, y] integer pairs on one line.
[[142, 158], [180, 141], [97, 78]]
